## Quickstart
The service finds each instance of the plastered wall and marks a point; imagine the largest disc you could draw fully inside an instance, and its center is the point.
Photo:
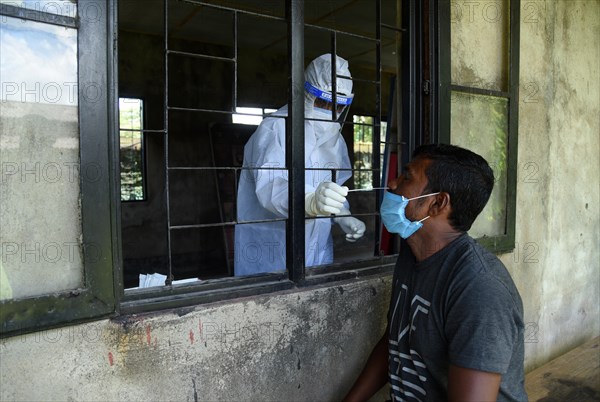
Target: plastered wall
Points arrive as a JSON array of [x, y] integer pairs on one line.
[[556, 260], [305, 345]]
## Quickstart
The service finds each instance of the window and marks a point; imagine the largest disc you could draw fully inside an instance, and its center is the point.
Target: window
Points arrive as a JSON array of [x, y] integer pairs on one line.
[[55, 171], [209, 59], [250, 115], [35, 85], [363, 151], [480, 102], [192, 63], [131, 126]]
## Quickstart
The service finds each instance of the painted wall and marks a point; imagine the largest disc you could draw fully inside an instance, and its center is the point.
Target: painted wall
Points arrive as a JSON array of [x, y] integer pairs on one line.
[[310, 344]]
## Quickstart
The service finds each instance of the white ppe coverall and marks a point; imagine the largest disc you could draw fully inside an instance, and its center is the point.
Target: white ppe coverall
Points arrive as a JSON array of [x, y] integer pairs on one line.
[[263, 194]]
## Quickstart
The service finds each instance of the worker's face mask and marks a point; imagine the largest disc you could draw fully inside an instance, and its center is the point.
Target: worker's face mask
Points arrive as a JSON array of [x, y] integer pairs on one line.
[[324, 129], [393, 215], [327, 114]]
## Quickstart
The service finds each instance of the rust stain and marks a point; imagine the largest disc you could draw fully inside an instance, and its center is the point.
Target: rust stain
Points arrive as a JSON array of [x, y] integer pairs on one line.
[[191, 337], [148, 335], [110, 358]]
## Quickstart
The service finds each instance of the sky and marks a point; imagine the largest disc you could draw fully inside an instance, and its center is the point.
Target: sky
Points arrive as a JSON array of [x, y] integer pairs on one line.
[[38, 62]]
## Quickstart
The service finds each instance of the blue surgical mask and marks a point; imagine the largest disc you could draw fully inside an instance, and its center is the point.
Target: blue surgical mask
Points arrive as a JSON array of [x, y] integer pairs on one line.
[[392, 214]]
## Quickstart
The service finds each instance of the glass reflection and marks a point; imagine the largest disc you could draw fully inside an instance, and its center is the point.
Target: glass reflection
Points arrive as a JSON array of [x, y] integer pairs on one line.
[[480, 123], [40, 212], [479, 44], [38, 62]]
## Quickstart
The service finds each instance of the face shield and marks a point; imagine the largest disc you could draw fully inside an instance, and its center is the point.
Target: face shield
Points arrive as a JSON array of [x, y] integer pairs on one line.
[[324, 100]]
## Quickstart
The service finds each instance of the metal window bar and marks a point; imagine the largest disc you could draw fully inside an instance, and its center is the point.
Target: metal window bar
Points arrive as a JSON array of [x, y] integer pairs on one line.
[[233, 10], [376, 150], [168, 108], [294, 146], [169, 280], [334, 80], [296, 46]]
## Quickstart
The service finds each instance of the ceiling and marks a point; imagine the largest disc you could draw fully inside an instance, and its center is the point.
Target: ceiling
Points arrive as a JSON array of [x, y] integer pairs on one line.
[[213, 23]]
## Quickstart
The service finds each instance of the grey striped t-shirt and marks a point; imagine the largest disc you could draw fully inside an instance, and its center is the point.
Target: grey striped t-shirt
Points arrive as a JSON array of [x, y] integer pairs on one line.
[[461, 307]]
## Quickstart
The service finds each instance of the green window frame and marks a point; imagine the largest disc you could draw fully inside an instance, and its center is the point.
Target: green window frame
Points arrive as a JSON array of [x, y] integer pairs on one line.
[[508, 95], [96, 296]]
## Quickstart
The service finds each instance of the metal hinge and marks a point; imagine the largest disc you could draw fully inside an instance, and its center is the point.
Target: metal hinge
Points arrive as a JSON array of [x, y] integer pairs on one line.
[[426, 84]]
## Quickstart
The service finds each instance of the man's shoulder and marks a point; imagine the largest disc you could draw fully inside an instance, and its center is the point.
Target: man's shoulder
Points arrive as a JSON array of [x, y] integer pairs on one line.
[[479, 268], [469, 253]]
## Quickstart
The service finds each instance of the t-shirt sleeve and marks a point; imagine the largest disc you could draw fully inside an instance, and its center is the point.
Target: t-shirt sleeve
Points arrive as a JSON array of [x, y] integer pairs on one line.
[[482, 322]]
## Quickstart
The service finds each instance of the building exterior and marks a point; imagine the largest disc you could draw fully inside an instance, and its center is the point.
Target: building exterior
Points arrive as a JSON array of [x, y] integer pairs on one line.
[[75, 329]]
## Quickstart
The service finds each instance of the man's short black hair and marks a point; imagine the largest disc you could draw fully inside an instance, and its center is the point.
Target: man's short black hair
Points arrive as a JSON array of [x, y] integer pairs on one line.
[[463, 174]]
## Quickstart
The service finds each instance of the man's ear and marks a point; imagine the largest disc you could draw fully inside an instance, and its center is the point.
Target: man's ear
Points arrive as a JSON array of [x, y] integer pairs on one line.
[[440, 204]]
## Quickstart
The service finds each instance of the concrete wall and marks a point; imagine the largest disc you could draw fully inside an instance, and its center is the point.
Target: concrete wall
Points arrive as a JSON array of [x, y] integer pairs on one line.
[[310, 344], [305, 345], [556, 263]]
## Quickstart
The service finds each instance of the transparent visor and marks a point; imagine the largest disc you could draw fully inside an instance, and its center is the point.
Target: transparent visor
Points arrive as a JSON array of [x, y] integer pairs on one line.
[[342, 101]]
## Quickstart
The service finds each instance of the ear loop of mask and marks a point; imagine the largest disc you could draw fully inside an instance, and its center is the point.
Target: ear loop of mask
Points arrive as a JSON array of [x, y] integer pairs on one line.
[[423, 196]]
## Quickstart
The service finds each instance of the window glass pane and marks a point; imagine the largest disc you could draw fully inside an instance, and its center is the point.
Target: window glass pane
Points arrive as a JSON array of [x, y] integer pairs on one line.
[[66, 8], [479, 38], [131, 114], [39, 63], [39, 150], [260, 194], [363, 150], [262, 69], [480, 123], [390, 45]]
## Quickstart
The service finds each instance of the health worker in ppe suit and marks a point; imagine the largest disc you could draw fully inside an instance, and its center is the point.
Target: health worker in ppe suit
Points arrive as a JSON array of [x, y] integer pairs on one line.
[[263, 194]]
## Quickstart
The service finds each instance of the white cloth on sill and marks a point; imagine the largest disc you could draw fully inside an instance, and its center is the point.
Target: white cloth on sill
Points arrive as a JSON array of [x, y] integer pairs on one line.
[[152, 280]]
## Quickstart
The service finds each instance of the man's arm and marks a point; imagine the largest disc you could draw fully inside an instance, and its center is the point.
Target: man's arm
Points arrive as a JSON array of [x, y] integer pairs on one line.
[[466, 385], [373, 376]]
